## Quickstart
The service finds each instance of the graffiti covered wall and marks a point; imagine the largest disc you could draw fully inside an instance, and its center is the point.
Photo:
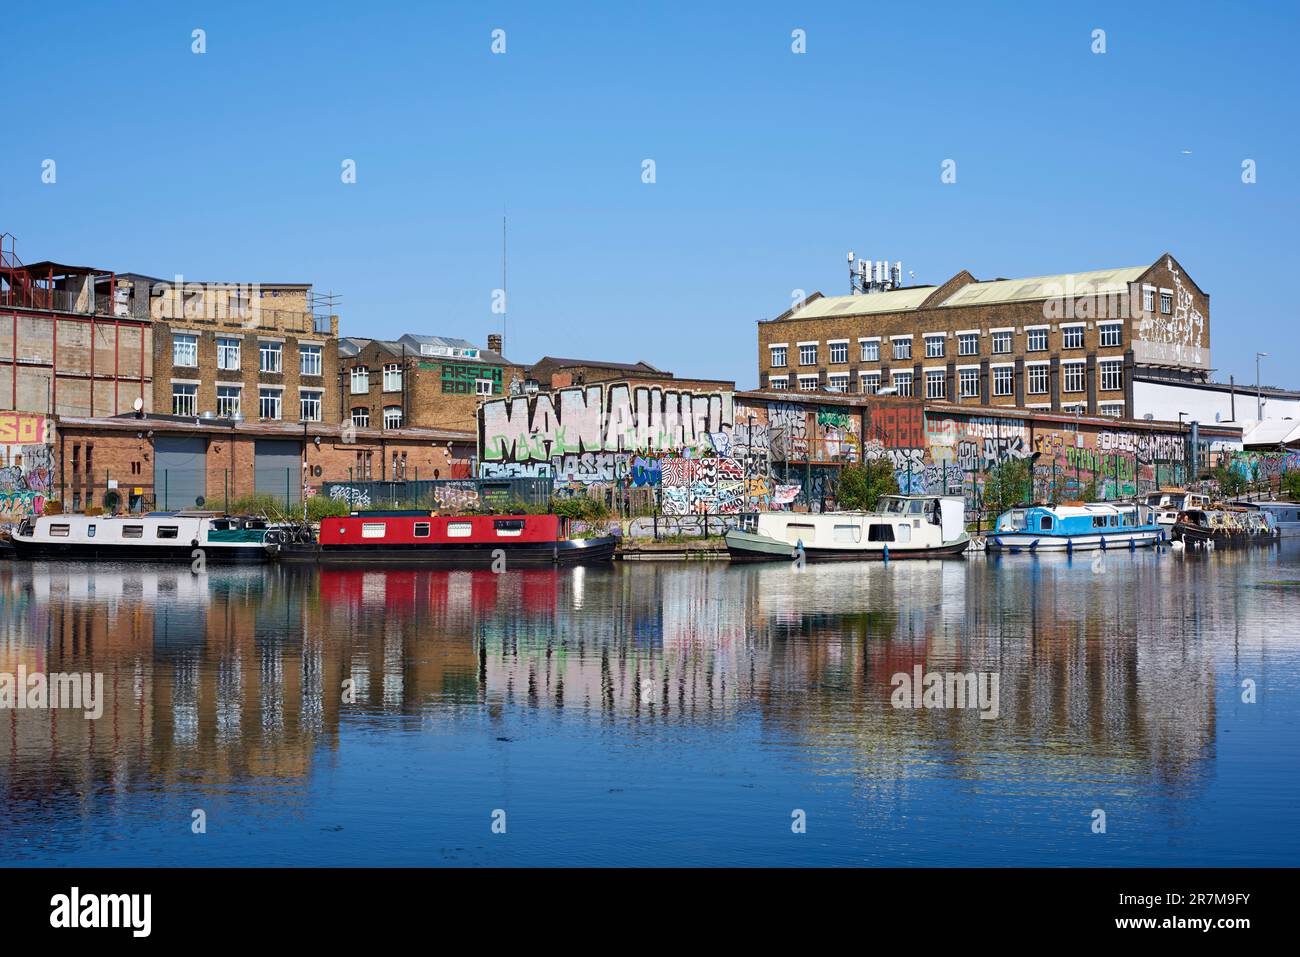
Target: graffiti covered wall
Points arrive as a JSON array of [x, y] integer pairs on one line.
[[26, 465]]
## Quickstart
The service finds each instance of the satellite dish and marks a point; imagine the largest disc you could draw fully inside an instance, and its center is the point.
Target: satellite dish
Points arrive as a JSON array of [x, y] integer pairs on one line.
[[1150, 417], [112, 500], [138, 404], [200, 501]]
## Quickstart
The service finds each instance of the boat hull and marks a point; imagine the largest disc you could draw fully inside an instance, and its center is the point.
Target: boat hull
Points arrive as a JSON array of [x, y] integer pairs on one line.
[[589, 551], [241, 554], [1016, 542], [1196, 537], [751, 547]]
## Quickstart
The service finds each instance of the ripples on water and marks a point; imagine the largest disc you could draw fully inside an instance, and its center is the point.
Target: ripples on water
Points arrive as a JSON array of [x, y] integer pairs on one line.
[[659, 714]]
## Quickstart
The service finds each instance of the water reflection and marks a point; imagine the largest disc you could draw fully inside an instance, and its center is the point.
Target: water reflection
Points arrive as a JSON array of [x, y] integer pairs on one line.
[[1109, 677]]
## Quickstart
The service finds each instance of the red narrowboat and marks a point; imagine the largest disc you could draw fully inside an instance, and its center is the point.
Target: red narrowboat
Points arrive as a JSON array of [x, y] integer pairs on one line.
[[406, 537]]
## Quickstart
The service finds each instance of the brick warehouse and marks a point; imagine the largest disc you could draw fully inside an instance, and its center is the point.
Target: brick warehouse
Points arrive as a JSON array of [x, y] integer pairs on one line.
[[1064, 343], [420, 380], [256, 351], [164, 461]]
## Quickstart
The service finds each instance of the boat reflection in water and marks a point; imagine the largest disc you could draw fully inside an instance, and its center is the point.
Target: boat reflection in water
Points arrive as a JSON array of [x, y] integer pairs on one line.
[[324, 714]]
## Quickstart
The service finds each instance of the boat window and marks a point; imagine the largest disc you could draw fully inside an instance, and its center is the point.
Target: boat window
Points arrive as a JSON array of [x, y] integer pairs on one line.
[[1114, 521], [1016, 519], [916, 506], [220, 525], [133, 531], [509, 527], [459, 529], [1045, 523], [881, 533], [1099, 521], [168, 531], [796, 532], [90, 531], [60, 531], [421, 529], [373, 529], [847, 533]]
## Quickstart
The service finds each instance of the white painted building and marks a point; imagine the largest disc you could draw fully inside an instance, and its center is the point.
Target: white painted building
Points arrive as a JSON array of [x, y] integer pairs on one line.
[[1210, 402]]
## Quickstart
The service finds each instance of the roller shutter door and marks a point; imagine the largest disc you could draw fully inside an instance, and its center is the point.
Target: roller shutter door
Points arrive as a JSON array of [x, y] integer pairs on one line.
[[279, 469], [180, 474]]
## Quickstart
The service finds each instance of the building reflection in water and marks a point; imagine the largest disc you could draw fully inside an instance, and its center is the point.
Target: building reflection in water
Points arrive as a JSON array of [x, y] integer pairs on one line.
[[243, 674]]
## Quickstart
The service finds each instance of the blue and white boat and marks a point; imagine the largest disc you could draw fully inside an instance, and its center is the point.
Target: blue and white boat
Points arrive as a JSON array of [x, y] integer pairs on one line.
[[1068, 528]]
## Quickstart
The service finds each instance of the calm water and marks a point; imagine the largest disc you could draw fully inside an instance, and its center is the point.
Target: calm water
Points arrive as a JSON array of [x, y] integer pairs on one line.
[[659, 714]]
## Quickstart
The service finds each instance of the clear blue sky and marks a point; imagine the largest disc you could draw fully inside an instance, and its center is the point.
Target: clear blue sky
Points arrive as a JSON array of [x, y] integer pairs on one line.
[[770, 165]]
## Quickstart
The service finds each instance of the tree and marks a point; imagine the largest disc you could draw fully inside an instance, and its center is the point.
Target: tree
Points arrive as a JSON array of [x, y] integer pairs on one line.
[[862, 485], [1008, 484], [1291, 486], [1231, 482]]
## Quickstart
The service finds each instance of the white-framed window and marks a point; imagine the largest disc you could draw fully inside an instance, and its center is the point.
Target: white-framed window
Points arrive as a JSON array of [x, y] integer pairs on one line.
[[309, 360], [808, 354], [309, 405], [968, 344], [968, 383], [360, 380], [228, 400], [228, 354], [185, 398], [869, 383], [1072, 377], [361, 417], [903, 348], [1071, 337], [807, 383], [1166, 302], [392, 416], [185, 350], [934, 347], [482, 386], [1036, 376], [268, 403], [779, 356], [778, 382], [1149, 300], [935, 384], [1035, 340], [839, 352], [902, 382], [1111, 374], [870, 350], [1109, 333], [838, 382], [1111, 408], [1003, 380], [392, 377], [1001, 342], [270, 356]]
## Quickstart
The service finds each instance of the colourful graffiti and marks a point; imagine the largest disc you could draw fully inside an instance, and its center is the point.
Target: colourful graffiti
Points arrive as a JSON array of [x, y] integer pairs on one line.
[[22, 428], [26, 474]]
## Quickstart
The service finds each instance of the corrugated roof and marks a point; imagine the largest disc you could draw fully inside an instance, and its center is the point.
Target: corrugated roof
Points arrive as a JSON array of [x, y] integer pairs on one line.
[[897, 300], [1272, 432], [1098, 282]]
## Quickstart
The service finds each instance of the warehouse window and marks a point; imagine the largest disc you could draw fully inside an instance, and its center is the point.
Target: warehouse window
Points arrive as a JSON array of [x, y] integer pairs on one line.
[[268, 403], [309, 405], [808, 354], [934, 347], [1110, 333], [271, 355], [1072, 374], [228, 401], [903, 348], [361, 417], [1072, 337], [869, 382], [185, 350], [1166, 302], [1003, 379], [778, 354], [1112, 375], [968, 344], [360, 380], [935, 385], [903, 383], [968, 383], [392, 377], [309, 360], [1001, 343], [870, 350], [1037, 340], [1037, 376], [228, 354], [392, 416], [185, 399]]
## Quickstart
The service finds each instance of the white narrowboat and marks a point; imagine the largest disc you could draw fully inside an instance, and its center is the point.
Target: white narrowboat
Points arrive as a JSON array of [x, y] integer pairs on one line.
[[1166, 503], [1285, 515], [1067, 528], [903, 526], [155, 536]]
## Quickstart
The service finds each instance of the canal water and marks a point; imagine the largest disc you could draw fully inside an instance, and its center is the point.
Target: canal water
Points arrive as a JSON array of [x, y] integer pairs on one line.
[[660, 714]]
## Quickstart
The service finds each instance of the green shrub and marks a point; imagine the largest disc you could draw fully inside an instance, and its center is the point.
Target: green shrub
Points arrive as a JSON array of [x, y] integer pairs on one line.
[[1230, 481], [861, 486], [580, 508], [1291, 486], [322, 506]]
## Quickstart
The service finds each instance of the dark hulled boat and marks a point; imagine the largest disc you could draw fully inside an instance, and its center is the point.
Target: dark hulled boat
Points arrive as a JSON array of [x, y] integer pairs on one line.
[[411, 537], [1224, 528]]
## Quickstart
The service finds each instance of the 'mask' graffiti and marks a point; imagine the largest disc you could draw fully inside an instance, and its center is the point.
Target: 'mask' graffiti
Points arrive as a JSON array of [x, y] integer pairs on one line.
[[600, 418]]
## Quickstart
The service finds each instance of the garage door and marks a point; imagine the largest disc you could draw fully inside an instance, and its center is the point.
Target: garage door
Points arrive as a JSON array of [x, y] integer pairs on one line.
[[179, 472], [279, 469]]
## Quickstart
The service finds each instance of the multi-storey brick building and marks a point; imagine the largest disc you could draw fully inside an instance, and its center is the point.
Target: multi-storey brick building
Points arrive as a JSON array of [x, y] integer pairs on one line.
[[1069, 342], [255, 351], [426, 381]]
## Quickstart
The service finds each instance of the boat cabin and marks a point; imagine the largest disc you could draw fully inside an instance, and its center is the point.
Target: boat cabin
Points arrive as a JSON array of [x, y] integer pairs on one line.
[[413, 527], [1071, 519]]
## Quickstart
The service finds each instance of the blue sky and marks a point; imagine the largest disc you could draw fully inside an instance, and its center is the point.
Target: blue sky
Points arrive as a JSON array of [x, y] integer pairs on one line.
[[769, 165]]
